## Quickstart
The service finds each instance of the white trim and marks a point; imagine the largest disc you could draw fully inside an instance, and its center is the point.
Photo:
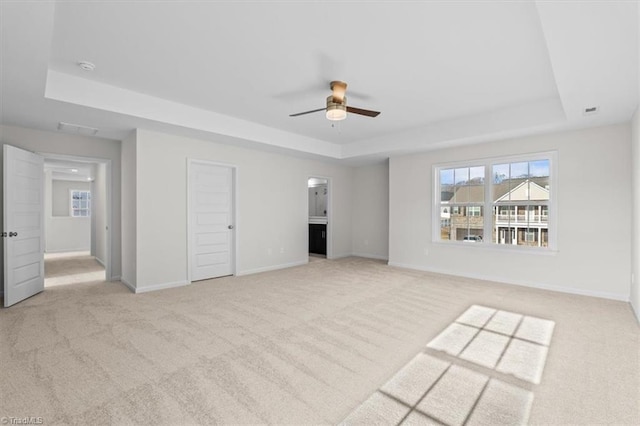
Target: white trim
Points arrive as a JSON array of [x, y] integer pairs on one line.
[[636, 311], [127, 284], [109, 201], [341, 256], [161, 286], [99, 261], [272, 268], [488, 163], [234, 206], [69, 250], [530, 284], [370, 256]]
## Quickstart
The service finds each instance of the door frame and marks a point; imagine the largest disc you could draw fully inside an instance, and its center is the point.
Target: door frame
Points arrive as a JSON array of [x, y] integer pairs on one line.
[[329, 211], [234, 214], [108, 266]]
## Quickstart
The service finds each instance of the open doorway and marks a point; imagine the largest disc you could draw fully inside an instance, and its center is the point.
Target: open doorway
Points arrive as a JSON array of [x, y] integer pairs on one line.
[[76, 220], [318, 189]]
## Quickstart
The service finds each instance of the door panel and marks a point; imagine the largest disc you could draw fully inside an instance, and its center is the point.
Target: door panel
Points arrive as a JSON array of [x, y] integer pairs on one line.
[[211, 220], [23, 223]]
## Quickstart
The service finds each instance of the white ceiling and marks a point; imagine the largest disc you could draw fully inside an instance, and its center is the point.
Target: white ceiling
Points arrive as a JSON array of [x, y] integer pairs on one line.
[[70, 170], [442, 73]]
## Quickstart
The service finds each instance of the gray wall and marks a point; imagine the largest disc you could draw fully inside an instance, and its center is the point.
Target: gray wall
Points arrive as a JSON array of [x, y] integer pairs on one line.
[[635, 252], [371, 211], [594, 220], [64, 233], [272, 228]]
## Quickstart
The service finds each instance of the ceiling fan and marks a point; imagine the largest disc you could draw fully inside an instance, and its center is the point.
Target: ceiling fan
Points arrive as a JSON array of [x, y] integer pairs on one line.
[[337, 108]]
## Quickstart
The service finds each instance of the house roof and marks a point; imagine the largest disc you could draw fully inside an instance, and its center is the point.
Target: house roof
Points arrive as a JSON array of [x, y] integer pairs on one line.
[[519, 189]]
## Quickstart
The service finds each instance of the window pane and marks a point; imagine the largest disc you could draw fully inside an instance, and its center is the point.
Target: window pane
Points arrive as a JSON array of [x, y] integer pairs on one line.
[[500, 190], [445, 222], [476, 175], [468, 224], [446, 185], [446, 177], [539, 168], [75, 204], [519, 170], [462, 176]]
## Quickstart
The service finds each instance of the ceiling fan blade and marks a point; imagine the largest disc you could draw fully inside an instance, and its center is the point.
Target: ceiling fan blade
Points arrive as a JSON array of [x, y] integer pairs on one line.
[[361, 111], [307, 112]]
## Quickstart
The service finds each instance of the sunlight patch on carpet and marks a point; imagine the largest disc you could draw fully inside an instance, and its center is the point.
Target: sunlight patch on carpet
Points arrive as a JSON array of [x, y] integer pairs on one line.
[[431, 389]]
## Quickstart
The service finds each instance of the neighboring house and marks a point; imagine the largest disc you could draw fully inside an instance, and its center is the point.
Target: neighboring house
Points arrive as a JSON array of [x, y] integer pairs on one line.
[[520, 212]]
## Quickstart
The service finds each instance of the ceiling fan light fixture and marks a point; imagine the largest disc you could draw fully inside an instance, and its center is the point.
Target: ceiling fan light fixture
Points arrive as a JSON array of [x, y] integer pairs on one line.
[[336, 112]]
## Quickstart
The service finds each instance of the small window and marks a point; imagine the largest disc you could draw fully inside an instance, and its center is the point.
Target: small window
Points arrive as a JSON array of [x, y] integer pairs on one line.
[[80, 203]]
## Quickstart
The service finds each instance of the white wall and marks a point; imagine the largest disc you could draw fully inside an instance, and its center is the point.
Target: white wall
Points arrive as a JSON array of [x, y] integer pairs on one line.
[[371, 211], [64, 233], [635, 252], [99, 213], [129, 211], [60, 195], [272, 227], [594, 202], [76, 145]]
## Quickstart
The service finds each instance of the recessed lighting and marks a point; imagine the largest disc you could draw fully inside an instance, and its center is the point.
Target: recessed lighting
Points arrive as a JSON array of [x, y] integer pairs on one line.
[[86, 65], [89, 178], [74, 170]]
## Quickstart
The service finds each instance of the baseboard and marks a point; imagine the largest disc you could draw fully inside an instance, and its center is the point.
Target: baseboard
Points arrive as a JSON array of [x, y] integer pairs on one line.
[[126, 283], [100, 261], [636, 311], [370, 256], [272, 268], [161, 286], [550, 287], [68, 250], [340, 256]]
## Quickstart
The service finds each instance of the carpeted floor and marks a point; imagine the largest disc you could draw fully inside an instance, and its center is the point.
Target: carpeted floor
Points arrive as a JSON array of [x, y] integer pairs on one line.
[[305, 345], [71, 268]]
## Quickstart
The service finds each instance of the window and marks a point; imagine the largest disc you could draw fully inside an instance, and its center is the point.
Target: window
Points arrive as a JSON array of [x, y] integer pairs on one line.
[[462, 190], [503, 201], [80, 203]]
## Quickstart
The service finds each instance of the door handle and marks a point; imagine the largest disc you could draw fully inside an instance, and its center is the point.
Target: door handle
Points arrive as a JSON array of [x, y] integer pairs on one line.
[[13, 234], [230, 226]]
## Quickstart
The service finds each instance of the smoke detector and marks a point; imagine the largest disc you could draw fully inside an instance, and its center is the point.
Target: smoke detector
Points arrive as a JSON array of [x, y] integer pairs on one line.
[[86, 65]]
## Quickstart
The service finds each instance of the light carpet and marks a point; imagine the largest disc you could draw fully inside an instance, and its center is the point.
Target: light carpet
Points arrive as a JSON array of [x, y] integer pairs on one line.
[[305, 345], [71, 268]]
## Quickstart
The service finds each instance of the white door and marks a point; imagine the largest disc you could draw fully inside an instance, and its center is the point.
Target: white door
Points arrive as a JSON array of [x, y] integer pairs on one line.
[[23, 224], [211, 220]]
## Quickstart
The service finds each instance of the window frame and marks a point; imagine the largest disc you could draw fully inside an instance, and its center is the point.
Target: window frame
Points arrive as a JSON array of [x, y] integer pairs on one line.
[[71, 208], [488, 163]]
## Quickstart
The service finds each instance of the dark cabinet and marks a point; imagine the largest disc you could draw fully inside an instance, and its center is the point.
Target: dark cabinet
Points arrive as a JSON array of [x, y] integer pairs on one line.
[[317, 238]]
